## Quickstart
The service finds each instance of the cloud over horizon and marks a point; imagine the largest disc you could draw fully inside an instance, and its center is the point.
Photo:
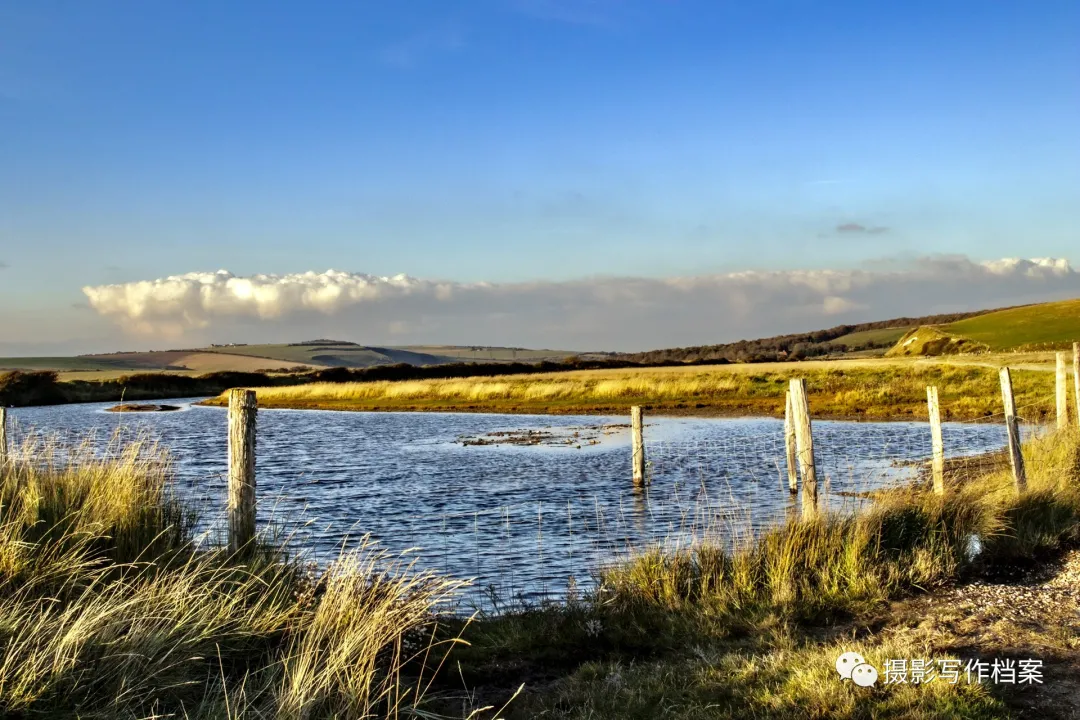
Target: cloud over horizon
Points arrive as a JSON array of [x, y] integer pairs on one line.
[[591, 313]]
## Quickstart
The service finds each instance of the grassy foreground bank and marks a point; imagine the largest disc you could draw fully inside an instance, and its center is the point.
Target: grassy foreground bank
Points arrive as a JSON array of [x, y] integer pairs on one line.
[[107, 610], [870, 389]]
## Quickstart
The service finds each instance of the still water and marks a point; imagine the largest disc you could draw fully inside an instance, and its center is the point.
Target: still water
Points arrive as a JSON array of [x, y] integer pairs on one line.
[[521, 520]]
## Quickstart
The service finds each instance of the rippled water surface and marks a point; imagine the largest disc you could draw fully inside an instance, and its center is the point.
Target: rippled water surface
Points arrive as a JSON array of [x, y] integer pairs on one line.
[[521, 520]]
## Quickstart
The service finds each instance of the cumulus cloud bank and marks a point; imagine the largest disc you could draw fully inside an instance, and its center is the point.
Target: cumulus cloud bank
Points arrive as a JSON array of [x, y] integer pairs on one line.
[[593, 313]]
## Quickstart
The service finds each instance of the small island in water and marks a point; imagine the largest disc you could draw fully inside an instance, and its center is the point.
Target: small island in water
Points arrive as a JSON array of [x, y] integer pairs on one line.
[[129, 407]]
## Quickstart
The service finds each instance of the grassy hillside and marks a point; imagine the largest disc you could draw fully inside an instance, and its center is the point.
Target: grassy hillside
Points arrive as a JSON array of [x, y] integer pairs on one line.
[[841, 339], [274, 358], [1031, 327], [343, 354], [114, 365], [331, 354], [871, 338], [1046, 326], [472, 353]]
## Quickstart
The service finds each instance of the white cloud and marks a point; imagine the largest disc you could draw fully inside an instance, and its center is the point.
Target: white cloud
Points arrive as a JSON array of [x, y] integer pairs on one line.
[[593, 313]]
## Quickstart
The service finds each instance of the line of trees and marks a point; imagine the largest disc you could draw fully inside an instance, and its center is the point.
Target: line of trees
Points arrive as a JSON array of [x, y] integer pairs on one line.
[[798, 346]]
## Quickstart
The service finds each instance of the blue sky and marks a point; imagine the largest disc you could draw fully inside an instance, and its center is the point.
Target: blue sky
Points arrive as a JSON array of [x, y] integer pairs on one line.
[[516, 141]]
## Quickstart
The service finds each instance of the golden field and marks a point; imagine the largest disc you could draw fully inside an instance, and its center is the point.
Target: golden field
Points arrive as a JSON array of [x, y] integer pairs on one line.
[[863, 388]]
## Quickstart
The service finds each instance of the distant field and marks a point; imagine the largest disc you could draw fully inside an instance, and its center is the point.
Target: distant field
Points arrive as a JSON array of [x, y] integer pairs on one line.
[[855, 339], [101, 367], [1046, 324], [249, 358], [321, 355], [358, 356], [54, 363], [468, 353], [871, 389]]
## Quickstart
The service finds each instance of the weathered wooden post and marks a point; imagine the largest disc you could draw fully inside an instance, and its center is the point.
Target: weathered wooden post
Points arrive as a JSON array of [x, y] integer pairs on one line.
[[938, 462], [243, 408], [789, 446], [804, 446], [1012, 426], [3, 437], [637, 451], [1062, 386], [1076, 381]]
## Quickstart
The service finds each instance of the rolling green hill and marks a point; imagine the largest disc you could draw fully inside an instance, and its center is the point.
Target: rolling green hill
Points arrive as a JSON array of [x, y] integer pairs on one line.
[[1046, 326]]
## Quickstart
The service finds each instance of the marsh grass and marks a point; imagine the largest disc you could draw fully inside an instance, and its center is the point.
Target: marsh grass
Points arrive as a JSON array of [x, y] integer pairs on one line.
[[870, 390], [721, 631], [108, 609]]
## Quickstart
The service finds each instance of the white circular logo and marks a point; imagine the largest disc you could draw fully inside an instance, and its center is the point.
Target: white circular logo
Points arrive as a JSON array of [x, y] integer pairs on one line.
[[864, 675], [847, 662]]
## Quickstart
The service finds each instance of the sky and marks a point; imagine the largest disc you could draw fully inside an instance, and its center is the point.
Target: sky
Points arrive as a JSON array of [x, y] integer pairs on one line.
[[581, 174]]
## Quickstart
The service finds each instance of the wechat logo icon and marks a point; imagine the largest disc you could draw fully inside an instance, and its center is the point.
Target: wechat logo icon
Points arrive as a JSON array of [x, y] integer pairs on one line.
[[853, 666]]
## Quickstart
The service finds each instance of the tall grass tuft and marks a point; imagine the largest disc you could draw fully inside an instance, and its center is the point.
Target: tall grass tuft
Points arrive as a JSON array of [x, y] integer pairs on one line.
[[909, 538], [109, 609]]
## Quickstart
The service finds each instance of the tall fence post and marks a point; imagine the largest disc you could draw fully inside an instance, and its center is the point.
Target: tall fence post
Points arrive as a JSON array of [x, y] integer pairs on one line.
[[804, 446], [935, 435], [1012, 425], [243, 408], [789, 446], [1062, 385], [1076, 381], [637, 452], [3, 437]]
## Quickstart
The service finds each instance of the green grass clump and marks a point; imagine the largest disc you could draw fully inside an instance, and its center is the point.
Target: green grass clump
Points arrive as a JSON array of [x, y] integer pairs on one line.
[[909, 538]]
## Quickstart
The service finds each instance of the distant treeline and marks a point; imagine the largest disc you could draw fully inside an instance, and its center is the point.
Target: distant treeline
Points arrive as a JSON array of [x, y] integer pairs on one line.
[[799, 346], [43, 387]]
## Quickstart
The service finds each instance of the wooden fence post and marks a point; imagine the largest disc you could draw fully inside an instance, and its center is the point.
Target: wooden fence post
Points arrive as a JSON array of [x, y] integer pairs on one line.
[[3, 437], [1076, 381], [637, 451], [243, 408], [1062, 386], [789, 446], [1012, 426], [804, 446], [935, 435]]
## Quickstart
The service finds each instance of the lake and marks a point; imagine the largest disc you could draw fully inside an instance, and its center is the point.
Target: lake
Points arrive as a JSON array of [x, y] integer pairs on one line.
[[520, 519]]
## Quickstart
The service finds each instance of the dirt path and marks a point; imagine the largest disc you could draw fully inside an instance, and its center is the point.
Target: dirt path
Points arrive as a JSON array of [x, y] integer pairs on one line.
[[1035, 614]]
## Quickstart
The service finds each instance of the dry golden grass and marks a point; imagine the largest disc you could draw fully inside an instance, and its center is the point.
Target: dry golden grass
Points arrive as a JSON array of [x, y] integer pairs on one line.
[[108, 610], [852, 388]]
